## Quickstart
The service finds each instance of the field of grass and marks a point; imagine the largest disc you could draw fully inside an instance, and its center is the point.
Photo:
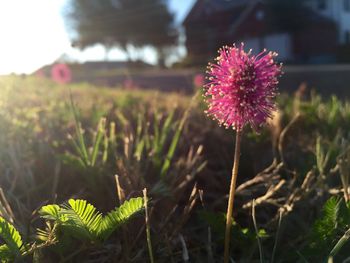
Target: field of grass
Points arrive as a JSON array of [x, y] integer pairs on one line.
[[66, 144]]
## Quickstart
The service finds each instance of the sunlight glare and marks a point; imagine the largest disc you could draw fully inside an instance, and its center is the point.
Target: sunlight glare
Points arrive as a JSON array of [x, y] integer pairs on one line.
[[32, 33]]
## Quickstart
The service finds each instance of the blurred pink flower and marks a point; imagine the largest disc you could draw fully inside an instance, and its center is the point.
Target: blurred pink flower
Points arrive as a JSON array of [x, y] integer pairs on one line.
[[242, 87], [198, 80], [61, 73], [129, 84], [40, 73]]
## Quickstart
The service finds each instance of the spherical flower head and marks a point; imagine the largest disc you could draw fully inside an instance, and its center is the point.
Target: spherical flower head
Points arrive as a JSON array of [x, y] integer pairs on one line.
[[199, 80], [61, 73], [242, 87]]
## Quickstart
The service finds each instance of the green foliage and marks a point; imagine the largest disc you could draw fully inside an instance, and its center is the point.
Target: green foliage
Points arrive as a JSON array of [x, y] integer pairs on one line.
[[81, 220], [149, 142], [343, 161], [330, 229], [325, 227], [114, 219], [6, 255], [173, 144], [243, 237], [325, 151], [124, 23], [51, 212], [76, 219], [152, 147], [160, 143], [12, 239], [84, 157]]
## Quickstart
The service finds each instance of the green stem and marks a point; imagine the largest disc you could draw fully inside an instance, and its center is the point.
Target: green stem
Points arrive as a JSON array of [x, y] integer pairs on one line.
[[148, 231], [232, 196], [257, 233], [341, 242]]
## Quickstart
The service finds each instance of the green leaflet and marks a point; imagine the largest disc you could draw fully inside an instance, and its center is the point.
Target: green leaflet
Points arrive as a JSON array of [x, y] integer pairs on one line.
[[330, 231], [13, 241], [81, 220], [51, 212], [114, 219]]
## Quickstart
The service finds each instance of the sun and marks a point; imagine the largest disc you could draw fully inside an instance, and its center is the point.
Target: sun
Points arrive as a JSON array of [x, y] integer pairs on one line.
[[32, 34]]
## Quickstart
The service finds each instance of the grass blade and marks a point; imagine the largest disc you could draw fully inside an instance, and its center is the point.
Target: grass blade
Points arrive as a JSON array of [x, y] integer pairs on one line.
[[148, 231], [276, 239], [341, 242], [78, 130], [257, 233], [98, 140]]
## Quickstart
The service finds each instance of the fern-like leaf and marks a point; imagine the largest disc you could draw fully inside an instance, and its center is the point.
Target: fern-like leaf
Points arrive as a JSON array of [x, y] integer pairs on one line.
[[326, 230], [5, 254], [327, 224], [82, 218], [12, 239], [120, 215], [51, 212]]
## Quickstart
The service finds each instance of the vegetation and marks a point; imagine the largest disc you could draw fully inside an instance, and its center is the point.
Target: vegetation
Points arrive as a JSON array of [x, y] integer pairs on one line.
[[63, 148], [124, 24], [77, 219]]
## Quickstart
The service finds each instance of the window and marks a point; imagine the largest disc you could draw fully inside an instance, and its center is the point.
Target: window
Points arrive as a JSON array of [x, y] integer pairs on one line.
[[347, 37], [347, 5], [322, 4], [259, 15]]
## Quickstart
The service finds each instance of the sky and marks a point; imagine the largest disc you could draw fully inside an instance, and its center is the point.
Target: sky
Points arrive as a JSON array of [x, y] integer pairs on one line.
[[33, 34]]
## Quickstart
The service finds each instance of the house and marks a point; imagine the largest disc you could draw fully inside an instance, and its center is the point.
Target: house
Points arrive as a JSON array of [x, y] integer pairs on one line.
[[213, 23], [339, 12], [94, 68]]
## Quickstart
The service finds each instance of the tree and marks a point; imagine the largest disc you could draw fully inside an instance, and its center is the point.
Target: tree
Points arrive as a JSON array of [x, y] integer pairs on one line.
[[122, 23]]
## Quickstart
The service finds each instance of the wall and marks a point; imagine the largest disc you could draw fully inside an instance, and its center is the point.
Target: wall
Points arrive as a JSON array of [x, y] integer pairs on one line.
[[281, 43], [325, 79], [335, 10]]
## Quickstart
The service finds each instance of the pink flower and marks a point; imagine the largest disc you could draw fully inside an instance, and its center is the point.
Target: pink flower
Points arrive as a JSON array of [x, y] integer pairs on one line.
[[242, 87], [198, 80], [129, 84], [61, 73], [40, 73]]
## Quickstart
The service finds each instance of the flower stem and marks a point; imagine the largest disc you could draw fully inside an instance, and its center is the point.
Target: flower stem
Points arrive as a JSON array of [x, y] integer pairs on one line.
[[148, 228], [232, 196]]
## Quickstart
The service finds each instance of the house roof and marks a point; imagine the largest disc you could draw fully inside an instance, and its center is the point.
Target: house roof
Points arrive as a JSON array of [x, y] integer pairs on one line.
[[218, 5], [209, 7], [114, 64], [240, 19], [239, 11], [101, 65]]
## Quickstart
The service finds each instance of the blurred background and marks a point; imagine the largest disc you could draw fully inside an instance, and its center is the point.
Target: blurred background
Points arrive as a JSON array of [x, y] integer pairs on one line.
[[163, 44], [100, 99]]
